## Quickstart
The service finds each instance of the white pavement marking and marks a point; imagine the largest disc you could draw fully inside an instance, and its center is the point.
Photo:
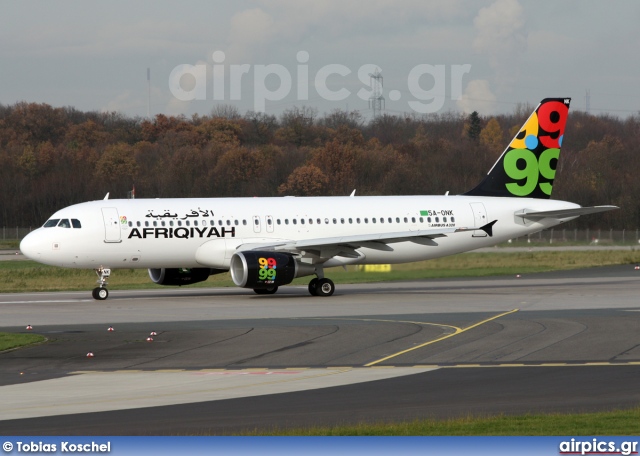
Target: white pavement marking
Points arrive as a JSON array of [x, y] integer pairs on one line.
[[103, 391]]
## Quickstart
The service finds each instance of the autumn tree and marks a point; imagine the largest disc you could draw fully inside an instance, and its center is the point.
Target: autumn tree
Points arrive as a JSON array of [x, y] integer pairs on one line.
[[307, 180], [491, 136]]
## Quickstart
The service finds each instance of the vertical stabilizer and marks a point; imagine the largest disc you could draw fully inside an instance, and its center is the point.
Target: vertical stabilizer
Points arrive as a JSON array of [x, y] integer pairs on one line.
[[528, 166]]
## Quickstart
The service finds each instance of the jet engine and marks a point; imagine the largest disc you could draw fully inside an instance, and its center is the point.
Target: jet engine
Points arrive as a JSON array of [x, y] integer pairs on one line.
[[262, 270], [179, 276]]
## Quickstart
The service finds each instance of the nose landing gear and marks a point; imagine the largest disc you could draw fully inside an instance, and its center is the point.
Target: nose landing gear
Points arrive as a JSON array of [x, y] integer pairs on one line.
[[101, 293]]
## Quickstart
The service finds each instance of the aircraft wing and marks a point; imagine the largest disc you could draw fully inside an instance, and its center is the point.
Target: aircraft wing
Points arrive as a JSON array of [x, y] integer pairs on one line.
[[563, 213], [346, 245]]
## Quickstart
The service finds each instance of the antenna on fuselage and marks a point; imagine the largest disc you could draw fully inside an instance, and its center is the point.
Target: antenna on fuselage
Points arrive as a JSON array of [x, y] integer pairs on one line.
[[353, 193], [106, 197]]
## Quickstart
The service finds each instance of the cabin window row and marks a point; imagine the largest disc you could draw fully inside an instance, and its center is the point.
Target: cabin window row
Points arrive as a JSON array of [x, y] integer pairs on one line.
[[301, 221], [358, 220]]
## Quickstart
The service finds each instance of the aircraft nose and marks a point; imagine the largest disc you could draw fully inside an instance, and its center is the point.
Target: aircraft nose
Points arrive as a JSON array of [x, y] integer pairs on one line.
[[31, 247]]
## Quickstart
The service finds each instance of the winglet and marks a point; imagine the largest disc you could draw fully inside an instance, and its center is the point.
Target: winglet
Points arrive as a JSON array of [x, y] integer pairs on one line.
[[488, 228]]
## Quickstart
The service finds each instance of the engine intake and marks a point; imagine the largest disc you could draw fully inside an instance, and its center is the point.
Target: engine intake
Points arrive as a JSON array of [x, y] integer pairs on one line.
[[253, 269], [179, 276]]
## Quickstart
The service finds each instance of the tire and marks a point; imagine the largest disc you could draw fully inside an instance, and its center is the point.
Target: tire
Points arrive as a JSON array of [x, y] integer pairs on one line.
[[100, 294], [325, 287], [312, 287]]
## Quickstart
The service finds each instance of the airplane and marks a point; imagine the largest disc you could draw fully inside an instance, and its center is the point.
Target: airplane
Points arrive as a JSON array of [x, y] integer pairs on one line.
[[267, 242]]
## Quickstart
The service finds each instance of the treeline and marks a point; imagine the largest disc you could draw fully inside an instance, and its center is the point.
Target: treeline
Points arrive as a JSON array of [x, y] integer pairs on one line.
[[54, 157]]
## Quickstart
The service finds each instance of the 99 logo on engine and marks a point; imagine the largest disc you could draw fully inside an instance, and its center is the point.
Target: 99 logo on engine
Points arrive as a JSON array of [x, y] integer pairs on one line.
[[267, 271]]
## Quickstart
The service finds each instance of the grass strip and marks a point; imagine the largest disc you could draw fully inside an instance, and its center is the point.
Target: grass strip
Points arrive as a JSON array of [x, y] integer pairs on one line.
[[22, 276], [11, 340], [617, 422]]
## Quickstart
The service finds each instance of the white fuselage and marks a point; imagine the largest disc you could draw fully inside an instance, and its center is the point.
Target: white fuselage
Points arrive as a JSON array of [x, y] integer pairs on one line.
[[172, 233]]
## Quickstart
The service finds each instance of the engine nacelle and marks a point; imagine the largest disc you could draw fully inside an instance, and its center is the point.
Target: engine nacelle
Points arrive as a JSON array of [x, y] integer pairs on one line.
[[176, 276], [252, 269]]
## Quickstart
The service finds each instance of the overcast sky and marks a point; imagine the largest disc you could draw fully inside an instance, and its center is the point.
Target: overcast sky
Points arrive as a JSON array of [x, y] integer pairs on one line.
[[458, 55]]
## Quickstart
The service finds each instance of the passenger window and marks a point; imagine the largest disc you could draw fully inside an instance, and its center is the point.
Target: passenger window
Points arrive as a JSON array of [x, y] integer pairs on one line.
[[220, 222], [390, 220], [429, 219], [326, 221], [130, 224], [146, 223], [413, 220], [366, 220], [244, 222], [342, 221], [453, 220], [295, 222], [406, 220], [163, 223], [444, 219], [237, 222], [229, 222], [310, 221], [318, 221], [170, 222], [51, 223], [397, 219], [373, 220], [179, 223], [138, 224], [155, 223], [437, 219], [76, 223], [350, 220], [358, 220], [286, 221], [185, 223], [211, 222], [278, 221], [301, 221], [421, 220], [195, 223], [381, 219], [335, 221]]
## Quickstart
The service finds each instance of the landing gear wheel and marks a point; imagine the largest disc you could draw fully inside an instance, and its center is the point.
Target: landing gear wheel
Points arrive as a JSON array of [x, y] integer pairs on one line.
[[261, 291], [325, 287], [312, 287], [100, 293]]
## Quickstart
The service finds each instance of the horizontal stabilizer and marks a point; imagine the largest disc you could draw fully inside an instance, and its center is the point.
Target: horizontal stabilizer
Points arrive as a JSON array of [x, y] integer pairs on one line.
[[564, 213]]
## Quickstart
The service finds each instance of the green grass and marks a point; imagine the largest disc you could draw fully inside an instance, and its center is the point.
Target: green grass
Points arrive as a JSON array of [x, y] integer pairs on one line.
[[10, 340], [9, 244], [618, 422], [21, 276]]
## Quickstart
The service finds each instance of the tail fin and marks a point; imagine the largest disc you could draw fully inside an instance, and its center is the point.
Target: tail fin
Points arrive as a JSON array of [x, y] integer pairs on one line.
[[528, 165]]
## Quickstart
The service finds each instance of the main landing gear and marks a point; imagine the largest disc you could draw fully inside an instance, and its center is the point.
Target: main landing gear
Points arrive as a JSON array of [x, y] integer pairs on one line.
[[101, 293], [321, 287]]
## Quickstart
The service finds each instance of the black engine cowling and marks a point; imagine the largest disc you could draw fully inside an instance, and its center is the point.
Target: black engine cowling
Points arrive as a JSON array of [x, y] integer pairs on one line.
[[179, 276], [259, 270]]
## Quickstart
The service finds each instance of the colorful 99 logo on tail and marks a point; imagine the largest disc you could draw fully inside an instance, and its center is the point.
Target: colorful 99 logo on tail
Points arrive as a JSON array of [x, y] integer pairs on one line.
[[532, 156], [527, 167]]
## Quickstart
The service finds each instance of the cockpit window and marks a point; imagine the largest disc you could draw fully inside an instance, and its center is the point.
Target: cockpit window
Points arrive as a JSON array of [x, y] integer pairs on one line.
[[64, 223], [51, 222], [76, 223]]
